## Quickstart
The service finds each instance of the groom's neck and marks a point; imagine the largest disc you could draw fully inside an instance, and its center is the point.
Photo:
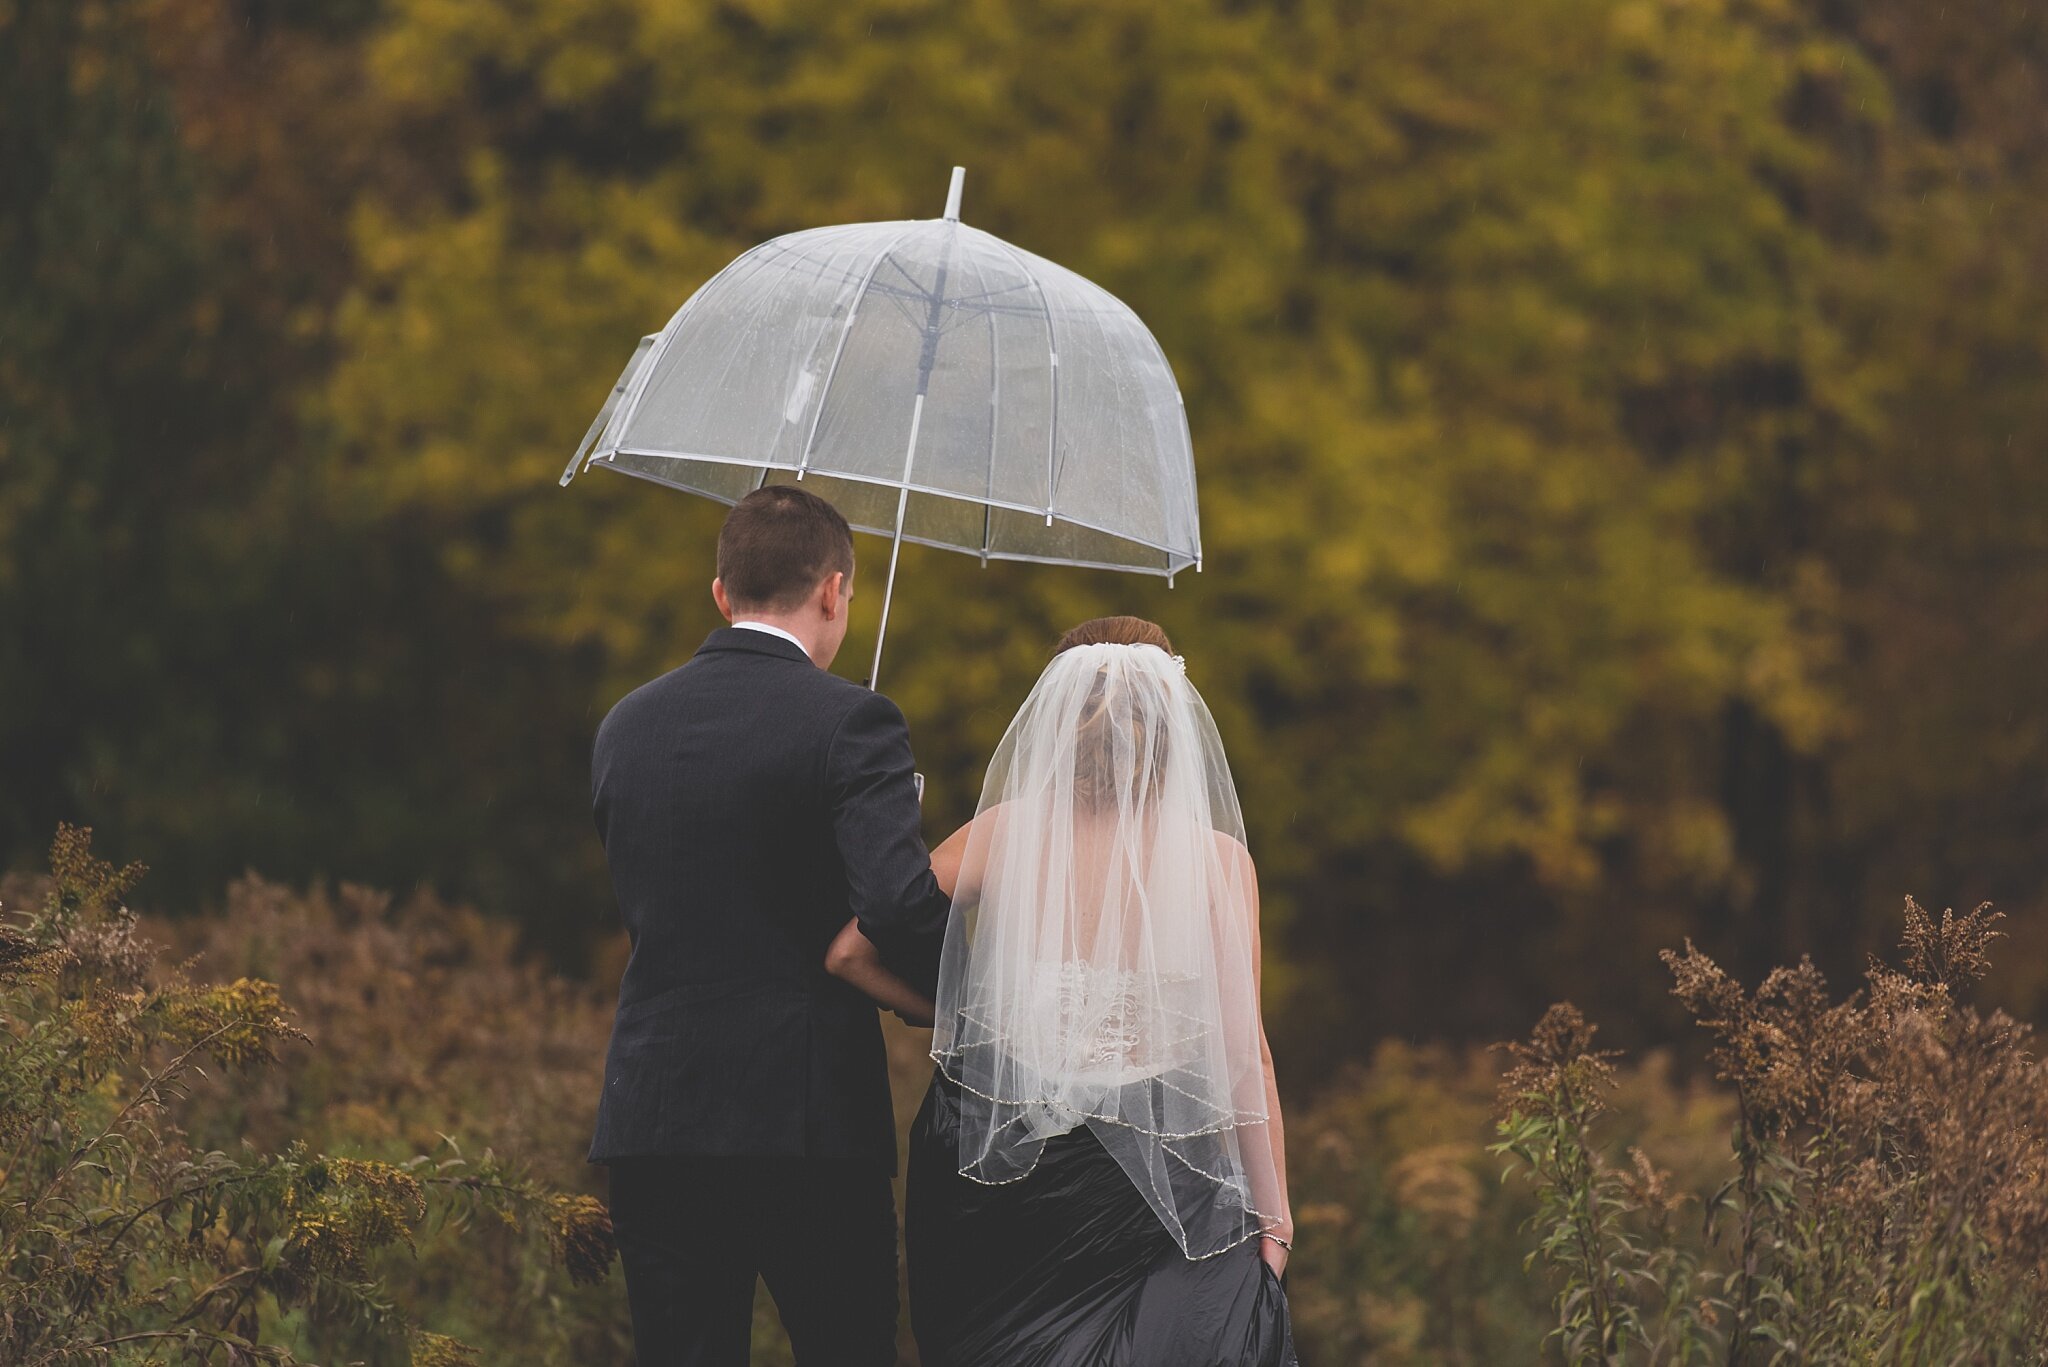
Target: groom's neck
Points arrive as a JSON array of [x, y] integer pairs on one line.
[[804, 630]]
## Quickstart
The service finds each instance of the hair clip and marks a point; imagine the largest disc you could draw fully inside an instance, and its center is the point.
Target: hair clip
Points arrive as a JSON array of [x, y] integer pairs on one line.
[[1182, 661]]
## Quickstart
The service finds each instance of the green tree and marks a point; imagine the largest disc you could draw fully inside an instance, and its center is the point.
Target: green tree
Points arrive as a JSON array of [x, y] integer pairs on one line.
[[1606, 409], [202, 648], [1431, 277]]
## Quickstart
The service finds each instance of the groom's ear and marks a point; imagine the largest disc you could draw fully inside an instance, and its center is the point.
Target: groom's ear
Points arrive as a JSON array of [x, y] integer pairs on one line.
[[828, 594], [718, 597]]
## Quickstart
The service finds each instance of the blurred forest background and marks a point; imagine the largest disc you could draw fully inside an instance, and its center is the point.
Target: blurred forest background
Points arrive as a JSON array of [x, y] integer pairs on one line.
[[1619, 431]]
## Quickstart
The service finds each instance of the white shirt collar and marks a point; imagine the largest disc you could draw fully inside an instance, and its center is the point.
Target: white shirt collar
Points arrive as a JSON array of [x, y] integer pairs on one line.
[[774, 631]]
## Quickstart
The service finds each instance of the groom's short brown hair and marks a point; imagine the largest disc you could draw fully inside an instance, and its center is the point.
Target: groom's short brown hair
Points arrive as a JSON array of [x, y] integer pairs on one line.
[[777, 544]]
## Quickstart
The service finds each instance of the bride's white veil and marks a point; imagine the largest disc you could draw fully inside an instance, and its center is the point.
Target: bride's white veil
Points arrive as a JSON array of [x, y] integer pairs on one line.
[[1098, 967]]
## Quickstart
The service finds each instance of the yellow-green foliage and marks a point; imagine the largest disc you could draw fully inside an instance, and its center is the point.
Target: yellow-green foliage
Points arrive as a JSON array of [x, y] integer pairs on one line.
[[1412, 262], [123, 1240], [1604, 410], [1531, 351]]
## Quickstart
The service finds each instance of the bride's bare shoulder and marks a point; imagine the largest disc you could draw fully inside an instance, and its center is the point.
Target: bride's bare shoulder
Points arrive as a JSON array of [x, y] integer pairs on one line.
[[991, 819], [1232, 849]]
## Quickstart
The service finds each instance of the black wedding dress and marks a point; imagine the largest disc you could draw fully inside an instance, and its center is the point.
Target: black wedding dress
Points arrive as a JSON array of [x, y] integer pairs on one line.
[[1068, 1267]]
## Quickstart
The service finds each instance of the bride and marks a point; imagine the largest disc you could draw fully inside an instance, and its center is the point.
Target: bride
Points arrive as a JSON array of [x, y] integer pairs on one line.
[[1097, 1175]]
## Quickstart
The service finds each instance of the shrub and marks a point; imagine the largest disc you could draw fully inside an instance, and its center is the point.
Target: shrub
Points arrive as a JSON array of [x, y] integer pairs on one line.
[[1889, 1195], [122, 1240], [426, 1019]]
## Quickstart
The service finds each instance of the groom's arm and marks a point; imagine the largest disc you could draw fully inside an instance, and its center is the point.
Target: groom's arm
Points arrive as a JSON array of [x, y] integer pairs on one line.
[[875, 819]]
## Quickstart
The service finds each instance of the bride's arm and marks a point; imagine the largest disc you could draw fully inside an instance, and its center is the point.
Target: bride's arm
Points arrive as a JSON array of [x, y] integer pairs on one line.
[[1276, 1133], [949, 861], [1276, 1254], [853, 957]]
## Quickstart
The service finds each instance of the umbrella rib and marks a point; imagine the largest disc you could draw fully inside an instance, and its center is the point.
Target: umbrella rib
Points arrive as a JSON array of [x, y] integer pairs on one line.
[[960, 317], [629, 407], [896, 294], [978, 303], [995, 417], [922, 295], [985, 294], [1187, 437], [908, 278], [610, 406], [903, 307], [972, 302], [1052, 427], [825, 390], [798, 261]]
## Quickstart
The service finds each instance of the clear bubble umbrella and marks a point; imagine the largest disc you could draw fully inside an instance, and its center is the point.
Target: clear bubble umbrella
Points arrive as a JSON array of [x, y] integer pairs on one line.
[[939, 385]]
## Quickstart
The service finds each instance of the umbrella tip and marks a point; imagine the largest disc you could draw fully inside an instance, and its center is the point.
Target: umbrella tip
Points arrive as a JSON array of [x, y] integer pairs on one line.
[[953, 194]]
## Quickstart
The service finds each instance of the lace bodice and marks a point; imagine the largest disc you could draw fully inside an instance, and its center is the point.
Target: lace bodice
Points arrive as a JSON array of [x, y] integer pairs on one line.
[[1106, 1025]]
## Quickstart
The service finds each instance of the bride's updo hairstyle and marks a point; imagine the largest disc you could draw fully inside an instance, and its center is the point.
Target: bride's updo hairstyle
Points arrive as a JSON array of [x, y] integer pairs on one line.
[[1104, 726], [1115, 631]]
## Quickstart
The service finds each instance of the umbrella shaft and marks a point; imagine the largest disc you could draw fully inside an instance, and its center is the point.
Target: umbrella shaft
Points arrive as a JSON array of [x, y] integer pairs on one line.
[[896, 545], [927, 358]]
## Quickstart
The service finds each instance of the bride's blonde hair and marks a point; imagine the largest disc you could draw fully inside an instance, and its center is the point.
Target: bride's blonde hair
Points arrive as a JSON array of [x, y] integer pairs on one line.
[[1096, 739]]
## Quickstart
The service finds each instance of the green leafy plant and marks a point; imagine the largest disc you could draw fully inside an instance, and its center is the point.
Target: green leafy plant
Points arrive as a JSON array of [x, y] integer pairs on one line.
[[122, 1241], [1625, 1284]]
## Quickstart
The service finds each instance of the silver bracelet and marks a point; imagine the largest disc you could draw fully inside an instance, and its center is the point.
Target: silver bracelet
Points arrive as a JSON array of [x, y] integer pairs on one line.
[[1265, 1234]]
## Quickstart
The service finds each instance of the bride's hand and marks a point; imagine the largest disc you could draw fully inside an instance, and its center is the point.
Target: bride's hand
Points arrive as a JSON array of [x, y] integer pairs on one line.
[[1275, 1254], [855, 959]]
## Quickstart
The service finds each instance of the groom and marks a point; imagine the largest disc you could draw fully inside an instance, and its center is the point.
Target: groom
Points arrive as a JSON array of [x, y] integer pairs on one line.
[[750, 803]]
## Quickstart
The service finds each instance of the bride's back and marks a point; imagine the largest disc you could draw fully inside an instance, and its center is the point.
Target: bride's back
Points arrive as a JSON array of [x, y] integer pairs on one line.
[[1100, 963], [1105, 912]]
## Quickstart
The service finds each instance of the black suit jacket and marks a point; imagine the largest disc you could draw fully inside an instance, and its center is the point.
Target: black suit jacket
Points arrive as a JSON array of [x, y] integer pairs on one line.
[[750, 803]]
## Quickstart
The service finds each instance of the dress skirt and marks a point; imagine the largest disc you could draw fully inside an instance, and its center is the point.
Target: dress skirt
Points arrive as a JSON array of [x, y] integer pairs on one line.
[[1068, 1267]]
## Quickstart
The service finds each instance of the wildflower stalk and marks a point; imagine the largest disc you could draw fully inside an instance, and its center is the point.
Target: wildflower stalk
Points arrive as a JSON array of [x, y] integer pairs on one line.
[[1747, 1157], [1549, 1102]]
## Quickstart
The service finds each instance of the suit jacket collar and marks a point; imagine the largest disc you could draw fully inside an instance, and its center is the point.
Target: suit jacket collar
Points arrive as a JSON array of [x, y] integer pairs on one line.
[[753, 642]]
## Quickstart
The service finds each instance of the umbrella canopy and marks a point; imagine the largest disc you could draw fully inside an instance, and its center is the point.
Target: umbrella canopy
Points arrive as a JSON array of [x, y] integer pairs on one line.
[[939, 385]]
